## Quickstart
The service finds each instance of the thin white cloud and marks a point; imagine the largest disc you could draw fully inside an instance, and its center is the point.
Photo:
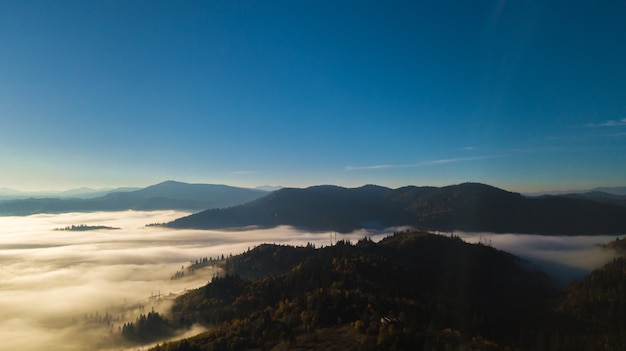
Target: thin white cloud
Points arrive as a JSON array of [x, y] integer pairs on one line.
[[365, 168], [538, 149], [609, 123], [460, 159], [468, 148], [245, 172], [584, 137], [420, 164]]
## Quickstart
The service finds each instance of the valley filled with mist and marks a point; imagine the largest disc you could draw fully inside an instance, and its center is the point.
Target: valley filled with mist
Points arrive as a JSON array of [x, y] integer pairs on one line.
[[75, 289], [54, 283], [312, 175]]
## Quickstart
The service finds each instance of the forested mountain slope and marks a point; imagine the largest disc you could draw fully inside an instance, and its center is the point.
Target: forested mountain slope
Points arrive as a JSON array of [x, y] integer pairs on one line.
[[597, 304], [410, 291], [468, 207]]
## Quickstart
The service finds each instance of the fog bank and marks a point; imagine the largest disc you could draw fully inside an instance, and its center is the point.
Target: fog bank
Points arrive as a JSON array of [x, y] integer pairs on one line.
[[56, 286], [566, 258]]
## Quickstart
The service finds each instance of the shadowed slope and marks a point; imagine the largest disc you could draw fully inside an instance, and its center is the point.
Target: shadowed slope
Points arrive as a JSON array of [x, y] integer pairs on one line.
[[468, 207]]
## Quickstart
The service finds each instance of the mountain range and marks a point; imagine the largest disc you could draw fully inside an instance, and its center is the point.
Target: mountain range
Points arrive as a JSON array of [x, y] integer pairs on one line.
[[613, 190], [162, 196], [82, 193], [465, 207]]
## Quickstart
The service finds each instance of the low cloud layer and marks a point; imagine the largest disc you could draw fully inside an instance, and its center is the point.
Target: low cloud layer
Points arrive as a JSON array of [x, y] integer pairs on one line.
[[52, 281], [566, 258], [55, 284]]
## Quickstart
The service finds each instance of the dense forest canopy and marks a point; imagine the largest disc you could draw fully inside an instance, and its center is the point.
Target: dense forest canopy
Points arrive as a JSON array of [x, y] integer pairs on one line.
[[411, 290]]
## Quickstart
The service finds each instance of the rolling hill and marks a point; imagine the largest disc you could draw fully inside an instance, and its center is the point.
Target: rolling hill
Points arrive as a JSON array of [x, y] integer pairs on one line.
[[79, 193], [162, 196], [467, 207], [601, 197], [410, 291]]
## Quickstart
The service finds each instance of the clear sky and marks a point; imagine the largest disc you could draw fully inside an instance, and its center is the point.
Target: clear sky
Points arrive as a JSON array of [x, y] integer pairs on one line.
[[524, 95]]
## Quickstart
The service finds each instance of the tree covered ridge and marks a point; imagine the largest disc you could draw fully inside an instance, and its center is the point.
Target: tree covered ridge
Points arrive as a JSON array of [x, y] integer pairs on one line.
[[147, 328], [467, 207], [409, 291], [598, 304]]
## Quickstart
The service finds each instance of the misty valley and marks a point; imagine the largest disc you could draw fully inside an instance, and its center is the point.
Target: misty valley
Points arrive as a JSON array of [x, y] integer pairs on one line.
[[64, 289], [312, 175], [313, 269]]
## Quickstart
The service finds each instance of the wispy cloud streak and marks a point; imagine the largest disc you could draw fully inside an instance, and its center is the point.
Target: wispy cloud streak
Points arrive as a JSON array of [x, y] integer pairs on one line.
[[245, 172], [460, 159], [609, 123], [365, 168], [420, 164]]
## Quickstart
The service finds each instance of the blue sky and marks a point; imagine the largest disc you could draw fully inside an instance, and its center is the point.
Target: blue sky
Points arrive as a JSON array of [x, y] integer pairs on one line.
[[519, 94]]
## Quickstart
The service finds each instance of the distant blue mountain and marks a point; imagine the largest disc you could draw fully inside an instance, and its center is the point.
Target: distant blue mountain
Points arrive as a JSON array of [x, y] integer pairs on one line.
[[162, 196], [615, 190], [79, 193]]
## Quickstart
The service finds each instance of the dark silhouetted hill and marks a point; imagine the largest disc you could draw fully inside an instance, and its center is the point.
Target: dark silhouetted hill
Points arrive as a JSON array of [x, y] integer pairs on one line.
[[466, 207], [316, 208], [595, 305], [162, 196], [600, 197], [411, 291]]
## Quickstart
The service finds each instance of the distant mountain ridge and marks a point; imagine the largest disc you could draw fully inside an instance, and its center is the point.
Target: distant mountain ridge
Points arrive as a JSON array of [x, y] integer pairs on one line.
[[83, 193], [600, 196], [613, 190], [616, 190], [163, 196], [467, 207]]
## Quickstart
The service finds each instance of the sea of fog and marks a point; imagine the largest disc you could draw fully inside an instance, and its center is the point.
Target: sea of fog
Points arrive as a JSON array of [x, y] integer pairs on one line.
[[565, 258], [72, 290], [59, 288]]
